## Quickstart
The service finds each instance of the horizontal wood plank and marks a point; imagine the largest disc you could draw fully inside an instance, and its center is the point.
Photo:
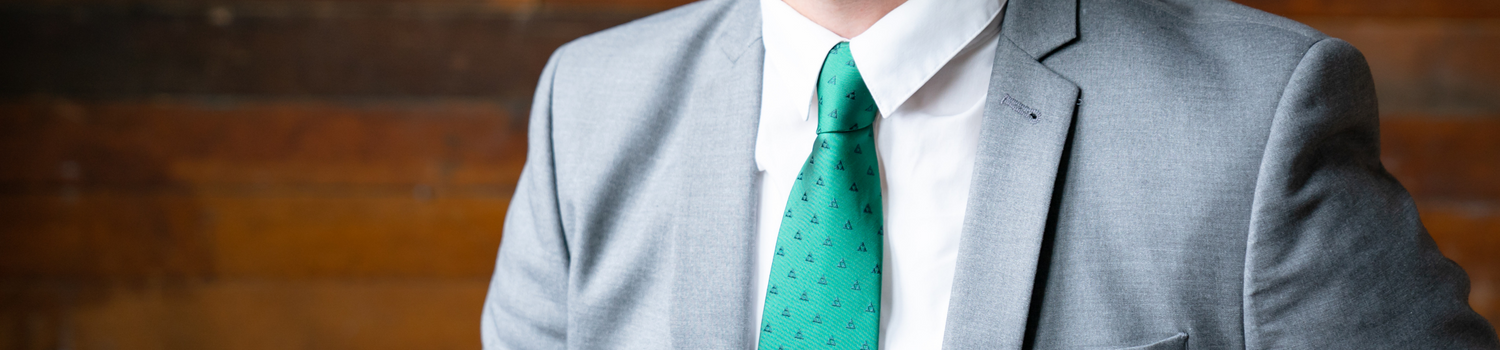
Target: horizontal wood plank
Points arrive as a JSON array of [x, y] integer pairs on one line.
[[244, 314], [69, 236], [296, 235], [312, 49], [135, 191], [197, 143], [319, 237], [1443, 158]]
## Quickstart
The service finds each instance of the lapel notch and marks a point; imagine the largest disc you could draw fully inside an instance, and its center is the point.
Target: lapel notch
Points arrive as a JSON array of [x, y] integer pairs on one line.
[[740, 31], [1039, 27], [1028, 115]]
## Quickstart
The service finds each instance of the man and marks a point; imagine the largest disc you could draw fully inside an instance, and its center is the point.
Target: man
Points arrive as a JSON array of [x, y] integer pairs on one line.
[[1060, 174]]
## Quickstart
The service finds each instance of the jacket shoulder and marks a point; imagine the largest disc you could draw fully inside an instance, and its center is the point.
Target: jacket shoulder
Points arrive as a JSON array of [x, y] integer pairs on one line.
[[1223, 11], [1199, 21]]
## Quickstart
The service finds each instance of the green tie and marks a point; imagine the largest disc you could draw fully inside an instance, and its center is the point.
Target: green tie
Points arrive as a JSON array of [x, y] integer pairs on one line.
[[824, 288]]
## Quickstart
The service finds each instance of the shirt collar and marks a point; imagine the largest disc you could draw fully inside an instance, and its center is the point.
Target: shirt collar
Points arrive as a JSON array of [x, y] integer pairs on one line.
[[896, 55]]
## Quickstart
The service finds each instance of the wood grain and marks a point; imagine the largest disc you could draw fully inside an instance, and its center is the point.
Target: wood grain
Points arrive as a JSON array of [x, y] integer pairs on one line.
[[134, 191], [244, 314], [1442, 158], [249, 143], [311, 49]]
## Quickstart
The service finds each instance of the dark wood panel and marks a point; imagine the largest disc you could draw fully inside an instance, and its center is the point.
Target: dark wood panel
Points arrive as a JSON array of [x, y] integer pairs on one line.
[[1444, 158], [266, 234], [313, 49], [166, 144], [275, 189], [244, 314], [317, 237], [73, 237]]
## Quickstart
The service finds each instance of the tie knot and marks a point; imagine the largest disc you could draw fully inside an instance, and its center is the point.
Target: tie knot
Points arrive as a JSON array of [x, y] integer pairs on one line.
[[844, 103]]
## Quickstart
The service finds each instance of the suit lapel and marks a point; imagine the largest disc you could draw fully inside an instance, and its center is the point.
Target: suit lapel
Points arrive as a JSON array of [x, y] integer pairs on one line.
[[713, 245], [1025, 129]]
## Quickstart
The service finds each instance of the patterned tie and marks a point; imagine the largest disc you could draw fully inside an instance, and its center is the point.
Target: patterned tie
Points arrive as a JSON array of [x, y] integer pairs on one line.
[[824, 288]]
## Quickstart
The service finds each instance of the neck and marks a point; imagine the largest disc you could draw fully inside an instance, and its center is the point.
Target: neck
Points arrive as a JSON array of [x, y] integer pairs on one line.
[[847, 18]]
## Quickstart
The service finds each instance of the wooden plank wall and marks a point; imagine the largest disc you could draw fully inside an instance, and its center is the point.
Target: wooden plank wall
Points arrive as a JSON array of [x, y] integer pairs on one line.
[[252, 174]]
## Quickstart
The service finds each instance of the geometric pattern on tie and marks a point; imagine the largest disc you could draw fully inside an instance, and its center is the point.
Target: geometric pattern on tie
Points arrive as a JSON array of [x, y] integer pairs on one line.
[[824, 287]]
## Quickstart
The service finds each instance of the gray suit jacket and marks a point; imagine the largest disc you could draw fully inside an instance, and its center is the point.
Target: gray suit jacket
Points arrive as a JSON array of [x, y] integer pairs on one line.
[[1151, 174]]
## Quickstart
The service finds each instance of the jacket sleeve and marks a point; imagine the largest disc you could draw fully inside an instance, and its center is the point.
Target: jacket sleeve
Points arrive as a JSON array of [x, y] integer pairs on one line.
[[526, 307], [1337, 257]]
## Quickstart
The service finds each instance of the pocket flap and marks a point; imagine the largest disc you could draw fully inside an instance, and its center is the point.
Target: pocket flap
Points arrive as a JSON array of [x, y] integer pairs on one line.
[[1176, 342]]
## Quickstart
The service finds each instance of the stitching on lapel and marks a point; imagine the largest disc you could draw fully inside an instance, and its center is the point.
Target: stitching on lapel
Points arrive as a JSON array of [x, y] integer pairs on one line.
[[1027, 114]]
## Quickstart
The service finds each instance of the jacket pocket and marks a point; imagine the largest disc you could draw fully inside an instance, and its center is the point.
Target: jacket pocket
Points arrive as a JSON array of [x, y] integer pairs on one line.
[[1176, 342]]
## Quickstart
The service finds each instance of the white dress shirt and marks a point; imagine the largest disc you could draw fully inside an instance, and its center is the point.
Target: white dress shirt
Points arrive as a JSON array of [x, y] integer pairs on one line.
[[927, 64]]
